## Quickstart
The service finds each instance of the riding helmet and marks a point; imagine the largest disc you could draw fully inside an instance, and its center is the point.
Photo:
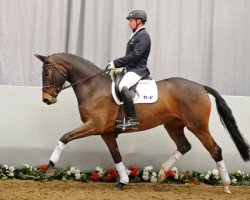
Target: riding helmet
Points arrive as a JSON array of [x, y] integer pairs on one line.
[[138, 14]]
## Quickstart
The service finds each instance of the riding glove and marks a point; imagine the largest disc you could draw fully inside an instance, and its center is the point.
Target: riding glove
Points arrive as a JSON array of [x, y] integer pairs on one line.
[[111, 65]]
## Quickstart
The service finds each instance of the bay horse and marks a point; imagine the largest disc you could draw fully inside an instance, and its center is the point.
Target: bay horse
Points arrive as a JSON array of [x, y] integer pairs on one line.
[[181, 103]]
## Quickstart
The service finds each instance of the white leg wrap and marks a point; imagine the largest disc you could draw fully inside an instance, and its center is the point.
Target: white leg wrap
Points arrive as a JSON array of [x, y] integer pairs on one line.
[[122, 173], [57, 152], [173, 158], [223, 172]]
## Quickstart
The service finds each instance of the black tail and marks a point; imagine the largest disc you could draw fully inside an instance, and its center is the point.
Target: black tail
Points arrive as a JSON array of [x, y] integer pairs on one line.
[[229, 122]]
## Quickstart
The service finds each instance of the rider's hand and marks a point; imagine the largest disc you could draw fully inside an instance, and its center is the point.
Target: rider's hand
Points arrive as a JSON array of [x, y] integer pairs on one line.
[[112, 68], [111, 65]]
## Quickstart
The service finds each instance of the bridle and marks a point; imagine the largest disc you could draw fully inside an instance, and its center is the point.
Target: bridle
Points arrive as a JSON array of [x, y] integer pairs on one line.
[[53, 84], [59, 89]]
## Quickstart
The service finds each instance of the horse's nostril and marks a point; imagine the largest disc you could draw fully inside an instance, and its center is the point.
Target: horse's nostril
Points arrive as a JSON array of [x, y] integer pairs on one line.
[[46, 101]]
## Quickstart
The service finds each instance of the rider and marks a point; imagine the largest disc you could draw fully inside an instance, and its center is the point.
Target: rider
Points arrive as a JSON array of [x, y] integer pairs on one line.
[[134, 62]]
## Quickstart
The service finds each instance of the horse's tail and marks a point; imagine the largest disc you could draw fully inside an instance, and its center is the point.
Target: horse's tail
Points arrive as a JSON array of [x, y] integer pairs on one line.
[[228, 120]]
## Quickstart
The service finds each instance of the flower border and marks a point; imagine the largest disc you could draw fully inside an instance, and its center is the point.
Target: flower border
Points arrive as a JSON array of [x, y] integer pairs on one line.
[[27, 172]]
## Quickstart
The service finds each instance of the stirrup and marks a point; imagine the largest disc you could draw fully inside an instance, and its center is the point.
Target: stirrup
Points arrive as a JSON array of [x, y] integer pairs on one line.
[[130, 124]]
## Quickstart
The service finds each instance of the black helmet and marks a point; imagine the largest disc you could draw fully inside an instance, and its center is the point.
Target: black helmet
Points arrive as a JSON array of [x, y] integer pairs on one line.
[[138, 14]]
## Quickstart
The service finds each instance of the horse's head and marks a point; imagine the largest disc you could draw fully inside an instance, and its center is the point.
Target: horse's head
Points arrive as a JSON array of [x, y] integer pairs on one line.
[[53, 79]]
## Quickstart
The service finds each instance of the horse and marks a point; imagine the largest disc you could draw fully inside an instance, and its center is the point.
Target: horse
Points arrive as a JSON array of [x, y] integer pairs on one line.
[[181, 103]]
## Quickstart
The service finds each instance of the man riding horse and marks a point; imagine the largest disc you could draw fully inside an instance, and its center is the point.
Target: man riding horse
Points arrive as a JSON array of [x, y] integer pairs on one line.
[[134, 62], [181, 104]]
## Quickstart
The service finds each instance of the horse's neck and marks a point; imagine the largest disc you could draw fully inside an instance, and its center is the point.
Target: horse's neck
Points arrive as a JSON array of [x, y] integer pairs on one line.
[[90, 91], [80, 71], [89, 87]]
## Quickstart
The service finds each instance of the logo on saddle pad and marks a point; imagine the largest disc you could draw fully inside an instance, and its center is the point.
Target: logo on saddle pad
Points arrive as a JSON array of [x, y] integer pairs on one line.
[[144, 92]]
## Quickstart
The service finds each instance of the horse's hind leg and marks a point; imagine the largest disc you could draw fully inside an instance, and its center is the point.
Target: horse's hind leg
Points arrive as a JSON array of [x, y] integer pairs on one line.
[[176, 131], [215, 151]]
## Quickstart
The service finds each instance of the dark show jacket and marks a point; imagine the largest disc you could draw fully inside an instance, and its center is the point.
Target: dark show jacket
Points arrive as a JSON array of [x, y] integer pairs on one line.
[[137, 52]]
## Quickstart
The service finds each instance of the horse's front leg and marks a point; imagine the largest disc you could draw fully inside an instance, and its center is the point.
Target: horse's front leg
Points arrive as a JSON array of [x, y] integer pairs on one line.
[[83, 131], [114, 150]]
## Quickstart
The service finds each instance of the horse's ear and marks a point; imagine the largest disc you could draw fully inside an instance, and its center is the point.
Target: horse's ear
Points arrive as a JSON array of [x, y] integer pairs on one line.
[[40, 57]]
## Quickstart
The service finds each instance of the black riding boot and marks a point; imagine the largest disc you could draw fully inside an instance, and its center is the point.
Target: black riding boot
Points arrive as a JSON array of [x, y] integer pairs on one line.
[[129, 110]]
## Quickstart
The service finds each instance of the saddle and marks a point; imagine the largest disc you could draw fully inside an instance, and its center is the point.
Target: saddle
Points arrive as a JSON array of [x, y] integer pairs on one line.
[[145, 91]]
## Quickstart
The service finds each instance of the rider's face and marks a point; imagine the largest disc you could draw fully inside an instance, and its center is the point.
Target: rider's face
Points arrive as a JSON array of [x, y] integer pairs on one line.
[[132, 23]]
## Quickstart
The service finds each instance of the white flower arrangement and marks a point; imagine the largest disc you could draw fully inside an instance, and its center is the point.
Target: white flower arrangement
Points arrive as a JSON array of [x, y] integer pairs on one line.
[[149, 175], [9, 171], [234, 180], [215, 173], [202, 176], [239, 176], [29, 167], [148, 168], [153, 177], [75, 172], [207, 176], [176, 172], [100, 171], [146, 175], [239, 172]]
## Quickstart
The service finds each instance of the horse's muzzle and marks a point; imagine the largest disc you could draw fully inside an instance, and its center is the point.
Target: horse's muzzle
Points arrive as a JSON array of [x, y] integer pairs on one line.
[[48, 99]]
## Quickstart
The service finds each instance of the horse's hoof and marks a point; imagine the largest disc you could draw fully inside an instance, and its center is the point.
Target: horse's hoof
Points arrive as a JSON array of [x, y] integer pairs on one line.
[[161, 176], [226, 189], [161, 179], [49, 173], [119, 186]]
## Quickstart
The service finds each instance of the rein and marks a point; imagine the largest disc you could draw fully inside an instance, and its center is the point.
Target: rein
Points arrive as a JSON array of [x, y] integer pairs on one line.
[[86, 79]]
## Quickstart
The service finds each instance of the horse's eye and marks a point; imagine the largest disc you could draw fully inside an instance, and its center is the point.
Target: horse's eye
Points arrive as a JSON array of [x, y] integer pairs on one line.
[[46, 73]]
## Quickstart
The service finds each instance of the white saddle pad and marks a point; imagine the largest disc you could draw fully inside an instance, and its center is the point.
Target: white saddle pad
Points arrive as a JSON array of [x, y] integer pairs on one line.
[[147, 92]]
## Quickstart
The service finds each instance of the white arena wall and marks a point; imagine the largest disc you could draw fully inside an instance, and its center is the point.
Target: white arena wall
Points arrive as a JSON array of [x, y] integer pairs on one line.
[[30, 130]]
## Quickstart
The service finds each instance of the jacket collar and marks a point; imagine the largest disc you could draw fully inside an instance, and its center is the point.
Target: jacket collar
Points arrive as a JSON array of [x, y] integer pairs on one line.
[[136, 33]]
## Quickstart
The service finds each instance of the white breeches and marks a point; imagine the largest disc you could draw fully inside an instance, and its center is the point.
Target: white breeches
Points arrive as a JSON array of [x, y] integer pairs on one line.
[[129, 80]]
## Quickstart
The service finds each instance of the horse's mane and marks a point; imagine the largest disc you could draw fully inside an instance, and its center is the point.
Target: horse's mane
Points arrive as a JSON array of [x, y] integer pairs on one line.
[[87, 62]]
